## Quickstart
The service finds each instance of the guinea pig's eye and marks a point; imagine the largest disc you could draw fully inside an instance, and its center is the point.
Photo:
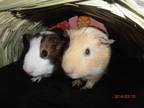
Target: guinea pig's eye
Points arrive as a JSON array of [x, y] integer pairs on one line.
[[44, 53], [87, 51]]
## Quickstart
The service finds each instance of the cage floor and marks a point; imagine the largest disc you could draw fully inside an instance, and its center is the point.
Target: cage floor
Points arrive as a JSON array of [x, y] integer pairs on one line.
[[121, 87]]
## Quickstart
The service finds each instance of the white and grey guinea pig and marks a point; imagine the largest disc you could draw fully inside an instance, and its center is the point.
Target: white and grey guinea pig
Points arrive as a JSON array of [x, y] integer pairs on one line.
[[45, 50], [87, 56]]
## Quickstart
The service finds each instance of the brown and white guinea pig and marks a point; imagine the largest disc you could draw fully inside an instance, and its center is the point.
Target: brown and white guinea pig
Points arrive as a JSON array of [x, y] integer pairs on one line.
[[87, 56], [45, 49]]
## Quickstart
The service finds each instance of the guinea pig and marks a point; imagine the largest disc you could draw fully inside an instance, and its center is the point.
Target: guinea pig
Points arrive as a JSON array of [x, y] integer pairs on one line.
[[87, 56], [45, 49]]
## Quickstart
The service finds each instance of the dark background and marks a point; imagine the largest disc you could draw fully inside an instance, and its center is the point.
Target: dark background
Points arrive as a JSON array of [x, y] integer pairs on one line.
[[125, 77]]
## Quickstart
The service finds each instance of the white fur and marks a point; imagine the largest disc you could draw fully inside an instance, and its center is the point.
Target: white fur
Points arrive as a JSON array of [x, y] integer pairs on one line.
[[34, 65], [46, 33]]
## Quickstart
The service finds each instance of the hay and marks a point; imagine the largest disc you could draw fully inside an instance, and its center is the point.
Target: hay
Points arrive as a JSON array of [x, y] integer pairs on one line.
[[11, 31], [17, 17], [30, 4]]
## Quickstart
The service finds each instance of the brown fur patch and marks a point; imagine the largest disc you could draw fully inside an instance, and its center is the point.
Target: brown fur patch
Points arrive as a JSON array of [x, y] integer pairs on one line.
[[52, 44]]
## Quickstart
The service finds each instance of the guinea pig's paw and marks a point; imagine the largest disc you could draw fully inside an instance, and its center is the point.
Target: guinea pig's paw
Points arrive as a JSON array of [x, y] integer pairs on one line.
[[77, 83], [89, 84], [36, 79]]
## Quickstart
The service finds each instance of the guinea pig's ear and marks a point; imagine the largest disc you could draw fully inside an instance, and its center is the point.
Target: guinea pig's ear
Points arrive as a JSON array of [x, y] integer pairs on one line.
[[59, 32], [104, 40], [71, 33], [27, 36]]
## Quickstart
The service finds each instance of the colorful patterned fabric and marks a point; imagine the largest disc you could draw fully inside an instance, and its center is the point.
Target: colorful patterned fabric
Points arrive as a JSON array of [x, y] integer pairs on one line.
[[78, 22]]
